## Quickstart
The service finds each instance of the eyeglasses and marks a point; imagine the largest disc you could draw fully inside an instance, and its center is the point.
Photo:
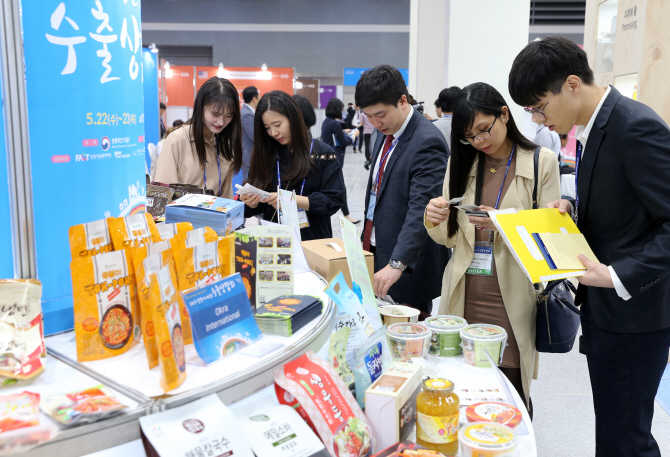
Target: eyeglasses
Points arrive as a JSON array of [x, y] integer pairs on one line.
[[532, 110], [480, 136]]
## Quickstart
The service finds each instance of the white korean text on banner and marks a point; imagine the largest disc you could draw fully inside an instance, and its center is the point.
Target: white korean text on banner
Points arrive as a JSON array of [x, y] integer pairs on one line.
[[152, 130], [86, 119]]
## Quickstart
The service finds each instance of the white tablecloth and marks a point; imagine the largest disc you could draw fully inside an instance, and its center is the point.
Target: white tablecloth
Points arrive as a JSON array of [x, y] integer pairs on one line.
[[568, 186]]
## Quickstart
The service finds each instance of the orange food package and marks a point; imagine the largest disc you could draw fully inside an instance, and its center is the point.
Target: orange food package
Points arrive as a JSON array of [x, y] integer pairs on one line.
[[90, 239], [195, 237], [165, 301], [105, 305], [169, 231], [205, 263], [132, 231]]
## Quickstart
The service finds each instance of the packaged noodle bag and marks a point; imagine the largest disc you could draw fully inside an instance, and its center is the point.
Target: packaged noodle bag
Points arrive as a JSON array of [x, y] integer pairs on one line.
[[105, 305], [194, 238], [138, 254], [205, 263], [165, 303], [169, 231], [132, 231], [90, 239], [330, 406]]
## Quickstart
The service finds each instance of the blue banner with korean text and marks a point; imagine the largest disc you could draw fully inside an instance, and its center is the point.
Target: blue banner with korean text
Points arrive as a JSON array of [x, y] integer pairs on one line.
[[152, 131], [83, 61], [6, 248]]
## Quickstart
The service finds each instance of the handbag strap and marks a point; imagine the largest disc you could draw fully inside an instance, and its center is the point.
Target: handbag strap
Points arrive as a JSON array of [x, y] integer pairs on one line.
[[536, 159]]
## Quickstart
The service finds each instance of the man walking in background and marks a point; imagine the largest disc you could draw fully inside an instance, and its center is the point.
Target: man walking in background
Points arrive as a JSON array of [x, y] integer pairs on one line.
[[250, 96], [446, 100]]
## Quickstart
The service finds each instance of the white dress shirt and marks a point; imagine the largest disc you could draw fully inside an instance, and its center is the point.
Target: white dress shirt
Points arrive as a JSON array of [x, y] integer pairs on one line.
[[396, 135], [582, 135]]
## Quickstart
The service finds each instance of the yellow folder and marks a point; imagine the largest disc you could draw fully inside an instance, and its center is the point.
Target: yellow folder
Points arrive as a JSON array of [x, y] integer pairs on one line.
[[517, 230]]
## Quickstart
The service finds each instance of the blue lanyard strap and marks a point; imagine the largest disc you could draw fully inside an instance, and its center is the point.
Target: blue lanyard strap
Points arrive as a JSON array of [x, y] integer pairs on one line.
[[383, 159], [218, 164], [580, 148], [509, 162], [311, 146]]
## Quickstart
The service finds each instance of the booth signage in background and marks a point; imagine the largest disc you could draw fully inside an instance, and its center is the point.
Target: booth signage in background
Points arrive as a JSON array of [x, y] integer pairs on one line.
[[325, 94], [241, 77], [83, 63], [151, 103], [308, 88], [352, 75], [6, 248]]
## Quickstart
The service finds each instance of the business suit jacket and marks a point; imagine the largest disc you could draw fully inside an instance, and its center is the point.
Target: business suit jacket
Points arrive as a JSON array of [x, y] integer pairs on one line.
[[624, 213], [413, 176], [247, 115]]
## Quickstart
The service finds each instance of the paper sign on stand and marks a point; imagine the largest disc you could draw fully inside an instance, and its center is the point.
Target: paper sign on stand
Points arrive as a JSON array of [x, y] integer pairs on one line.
[[300, 264], [360, 276], [221, 318], [288, 209]]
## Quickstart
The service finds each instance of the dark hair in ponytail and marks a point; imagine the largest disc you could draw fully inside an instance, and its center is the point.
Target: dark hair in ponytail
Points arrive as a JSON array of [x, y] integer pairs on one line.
[[470, 101]]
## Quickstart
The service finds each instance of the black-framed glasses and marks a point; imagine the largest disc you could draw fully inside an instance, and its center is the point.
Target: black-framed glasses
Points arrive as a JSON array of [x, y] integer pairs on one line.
[[532, 110], [480, 136]]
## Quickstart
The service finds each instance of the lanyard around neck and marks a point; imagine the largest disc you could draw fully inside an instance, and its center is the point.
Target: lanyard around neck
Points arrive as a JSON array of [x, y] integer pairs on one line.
[[509, 162], [218, 164], [580, 149], [311, 146]]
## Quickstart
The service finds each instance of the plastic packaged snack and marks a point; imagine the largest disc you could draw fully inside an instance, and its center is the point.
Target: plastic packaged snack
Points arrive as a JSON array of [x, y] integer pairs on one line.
[[337, 418], [206, 263], [132, 231], [372, 359], [90, 239], [169, 231], [83, 406], [20, 427], [165, 304], [194, 238], [105, 305]]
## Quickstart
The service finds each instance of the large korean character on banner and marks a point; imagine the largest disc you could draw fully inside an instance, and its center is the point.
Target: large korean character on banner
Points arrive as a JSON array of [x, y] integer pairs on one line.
[[86, 120]]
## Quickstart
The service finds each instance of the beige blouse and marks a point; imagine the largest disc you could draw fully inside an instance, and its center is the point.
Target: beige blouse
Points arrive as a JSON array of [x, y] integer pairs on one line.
[[178, 163]]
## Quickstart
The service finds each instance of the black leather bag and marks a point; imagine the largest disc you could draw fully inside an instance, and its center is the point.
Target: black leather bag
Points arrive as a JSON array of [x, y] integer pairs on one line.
[[557, 321]]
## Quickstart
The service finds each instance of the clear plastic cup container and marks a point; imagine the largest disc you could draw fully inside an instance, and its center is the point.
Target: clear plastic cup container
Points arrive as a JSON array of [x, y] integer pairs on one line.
[[478, 339], [446, 335], [486, 439], [408, 340]]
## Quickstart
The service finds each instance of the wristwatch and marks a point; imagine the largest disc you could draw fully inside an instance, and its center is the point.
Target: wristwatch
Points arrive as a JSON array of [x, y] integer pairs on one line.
[[397, 264]]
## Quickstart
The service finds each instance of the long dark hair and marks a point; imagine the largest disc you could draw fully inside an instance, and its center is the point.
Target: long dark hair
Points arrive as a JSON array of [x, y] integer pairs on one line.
[[470, 101], [264, 155], [218, 93]]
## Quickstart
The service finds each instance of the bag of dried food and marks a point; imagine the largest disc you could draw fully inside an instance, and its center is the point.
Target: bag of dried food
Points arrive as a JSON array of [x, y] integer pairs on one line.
[[205, 263], [132, 231], [105, 305], [169, 231], [165, 303], [193, 238], [82, 406], [90, 239]]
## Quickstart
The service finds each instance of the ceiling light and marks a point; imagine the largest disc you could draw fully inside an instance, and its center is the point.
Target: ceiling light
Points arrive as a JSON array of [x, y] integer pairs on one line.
[[220, 72], [264, 67], [153, 48]]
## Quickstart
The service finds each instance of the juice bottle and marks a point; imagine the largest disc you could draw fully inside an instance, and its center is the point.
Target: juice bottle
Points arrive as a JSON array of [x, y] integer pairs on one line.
[[437, 416]]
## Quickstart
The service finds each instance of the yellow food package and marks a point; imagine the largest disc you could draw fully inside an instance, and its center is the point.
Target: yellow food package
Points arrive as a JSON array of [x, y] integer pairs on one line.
[[132, 231], [194, 238], [105, 305], [165, 303], [90, 239], [206, 263], [169, 231], [148, 260]]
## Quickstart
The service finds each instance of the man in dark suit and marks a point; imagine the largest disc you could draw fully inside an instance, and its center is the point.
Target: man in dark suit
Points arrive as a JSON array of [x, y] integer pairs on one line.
[[248, 111], [408, 167], [623, 210]]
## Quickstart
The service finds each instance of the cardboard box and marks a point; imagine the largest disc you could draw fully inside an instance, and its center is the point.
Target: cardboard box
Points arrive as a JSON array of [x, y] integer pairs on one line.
[[327, 257], [390, 403], [221, 214]]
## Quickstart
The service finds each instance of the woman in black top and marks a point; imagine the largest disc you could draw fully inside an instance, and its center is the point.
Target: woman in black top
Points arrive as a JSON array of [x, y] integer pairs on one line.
[[333, 135], [285, 153]]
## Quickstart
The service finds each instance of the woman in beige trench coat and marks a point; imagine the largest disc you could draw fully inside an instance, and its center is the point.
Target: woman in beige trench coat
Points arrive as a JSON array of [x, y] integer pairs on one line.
[[491, 165]]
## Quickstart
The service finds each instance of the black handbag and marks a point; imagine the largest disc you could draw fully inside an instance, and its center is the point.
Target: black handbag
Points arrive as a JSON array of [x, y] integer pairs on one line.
[[557, 320]]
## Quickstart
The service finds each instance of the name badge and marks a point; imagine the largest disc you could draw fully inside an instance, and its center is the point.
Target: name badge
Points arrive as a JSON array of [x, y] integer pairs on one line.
[[302, 218], [371, 206], [482, 262]]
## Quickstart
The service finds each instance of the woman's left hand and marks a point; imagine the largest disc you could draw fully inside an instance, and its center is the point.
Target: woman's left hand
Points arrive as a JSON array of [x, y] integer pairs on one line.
[[484, 222], [271, 200]]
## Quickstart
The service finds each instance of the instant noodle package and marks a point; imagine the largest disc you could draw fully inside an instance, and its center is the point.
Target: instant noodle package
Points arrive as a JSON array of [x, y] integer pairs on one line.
[[20, 427], [83, 406], [205, 263], [90, 239], [165, 303], [105, 305], [21, 329], [169, 231], [131, 231], [331, 408]]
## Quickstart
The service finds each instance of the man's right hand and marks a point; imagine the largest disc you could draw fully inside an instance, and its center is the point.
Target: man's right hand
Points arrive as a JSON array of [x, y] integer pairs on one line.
[[251, 200], [437, 211], [564, 206]]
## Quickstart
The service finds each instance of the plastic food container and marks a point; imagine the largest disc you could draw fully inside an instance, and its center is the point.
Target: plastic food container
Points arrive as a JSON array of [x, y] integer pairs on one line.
[[394, 314], [408, 340], [493, 411], [477, 339], [446, 338], [486, 439]]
